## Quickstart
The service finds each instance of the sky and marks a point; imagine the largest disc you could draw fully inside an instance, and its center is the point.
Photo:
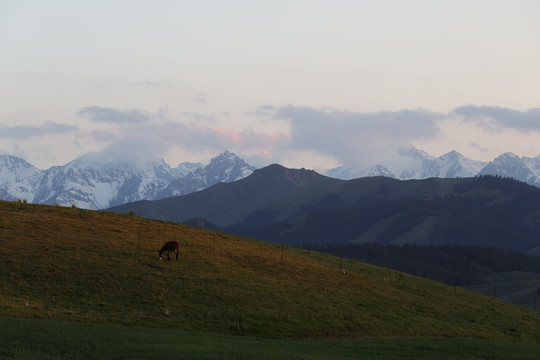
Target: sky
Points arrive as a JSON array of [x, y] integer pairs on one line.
[[313, 84]]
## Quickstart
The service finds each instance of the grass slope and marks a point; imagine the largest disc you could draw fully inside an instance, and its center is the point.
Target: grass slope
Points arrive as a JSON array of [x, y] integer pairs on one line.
[[516, 287], [52, 339], [88, 266]]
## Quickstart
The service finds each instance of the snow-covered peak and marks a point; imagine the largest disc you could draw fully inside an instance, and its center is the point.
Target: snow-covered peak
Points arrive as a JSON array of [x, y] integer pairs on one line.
[[507, 157], [414, 153], [95, 161], [227, 167], [512, 166], [416, 164], [101, 180], [183, 169], [224, 159], [351, 172], [377, 170], [14, 169], [507, 162], [454, 164], [344, 172], [452, 156]]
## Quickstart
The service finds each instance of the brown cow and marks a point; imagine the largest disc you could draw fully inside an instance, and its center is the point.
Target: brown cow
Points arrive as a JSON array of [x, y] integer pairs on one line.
[[167, 248]]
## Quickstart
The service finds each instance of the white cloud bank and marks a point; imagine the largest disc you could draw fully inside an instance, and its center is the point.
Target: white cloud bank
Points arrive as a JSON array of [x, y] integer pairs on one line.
[[318, 138], [494, 118], [19, 132]]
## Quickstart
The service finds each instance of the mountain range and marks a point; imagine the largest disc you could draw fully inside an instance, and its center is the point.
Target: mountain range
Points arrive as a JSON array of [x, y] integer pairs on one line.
[[94, 183], [90, 182], [417, 164]]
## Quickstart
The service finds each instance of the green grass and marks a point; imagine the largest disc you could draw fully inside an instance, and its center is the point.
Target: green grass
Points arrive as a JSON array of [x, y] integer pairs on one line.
[[512, 286], [103, 268], [46, 339]]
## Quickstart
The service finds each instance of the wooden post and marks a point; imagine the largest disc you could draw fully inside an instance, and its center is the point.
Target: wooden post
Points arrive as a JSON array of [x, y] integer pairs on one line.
[[138, 238], [281, 251]]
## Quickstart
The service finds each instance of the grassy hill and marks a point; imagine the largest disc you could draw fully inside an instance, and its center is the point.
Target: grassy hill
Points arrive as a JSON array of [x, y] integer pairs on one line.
[[100, 267]]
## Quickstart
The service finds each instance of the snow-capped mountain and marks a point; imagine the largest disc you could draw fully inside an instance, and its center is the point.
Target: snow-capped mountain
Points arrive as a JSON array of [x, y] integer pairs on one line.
[[226, 167], [351, 172], [449, 165], [416, 164], [377, 170], [520, 168], [18, 178], [185, 168], [91, 182], [13, 169], [453, 164]]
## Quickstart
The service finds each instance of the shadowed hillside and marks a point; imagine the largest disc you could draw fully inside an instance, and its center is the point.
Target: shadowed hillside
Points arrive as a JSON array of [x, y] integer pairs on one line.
[[301, 207], [274, 188], [89, 266], [481, 269]]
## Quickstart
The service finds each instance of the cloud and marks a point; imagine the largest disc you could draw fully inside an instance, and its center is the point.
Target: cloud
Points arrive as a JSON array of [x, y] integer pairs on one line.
[[157, 83], [196, 138], [142, 143], [115, 116], [199, 98], [355, 138], [478, 147], [102, 136], [134, 149], [26, 131], [263, 111], [294, 135], [198, 116], [493, 118]]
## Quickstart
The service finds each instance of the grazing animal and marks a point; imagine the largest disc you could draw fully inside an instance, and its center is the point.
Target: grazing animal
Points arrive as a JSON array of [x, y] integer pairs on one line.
[[167, 248]]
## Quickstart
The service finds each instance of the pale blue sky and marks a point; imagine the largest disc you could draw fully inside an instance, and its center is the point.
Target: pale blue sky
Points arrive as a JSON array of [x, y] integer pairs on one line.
[[307, 84]]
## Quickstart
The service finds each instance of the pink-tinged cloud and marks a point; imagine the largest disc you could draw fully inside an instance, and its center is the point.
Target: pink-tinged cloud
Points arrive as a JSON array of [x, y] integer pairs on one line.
[[249, 140], [234, 136], [197, 139]]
